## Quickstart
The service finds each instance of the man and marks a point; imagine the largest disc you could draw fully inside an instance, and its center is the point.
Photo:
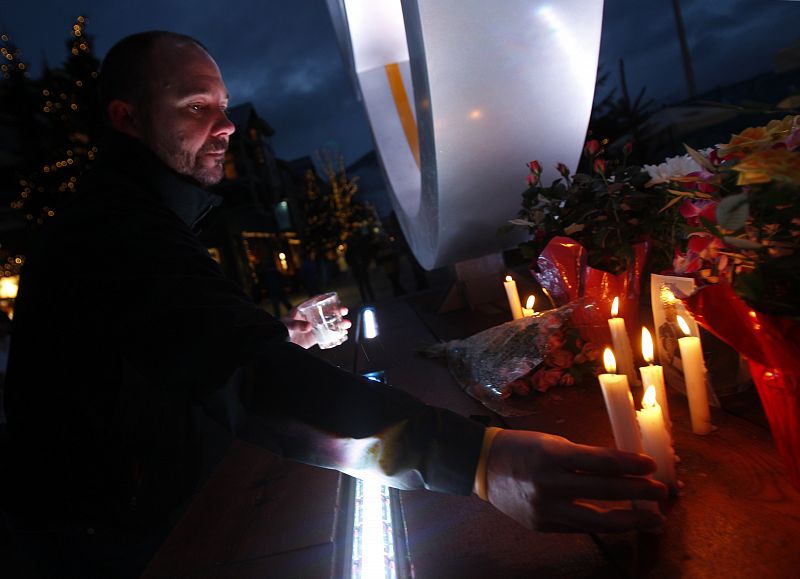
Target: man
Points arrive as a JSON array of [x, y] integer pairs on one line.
[[127, 336]]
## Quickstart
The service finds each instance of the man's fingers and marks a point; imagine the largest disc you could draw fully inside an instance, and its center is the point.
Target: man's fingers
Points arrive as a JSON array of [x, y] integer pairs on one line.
[[607, 461], [564, 516], [587, 486]]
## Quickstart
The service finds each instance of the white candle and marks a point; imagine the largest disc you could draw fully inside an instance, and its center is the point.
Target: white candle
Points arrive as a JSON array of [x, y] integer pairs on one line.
[[694, 373], [653, 375], [656, 439], [619, 404], [527, 311], [621, 343], [513, 297]]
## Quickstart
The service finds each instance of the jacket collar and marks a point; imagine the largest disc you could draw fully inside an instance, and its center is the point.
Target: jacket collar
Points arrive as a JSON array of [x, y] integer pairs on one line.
[[135, 161]]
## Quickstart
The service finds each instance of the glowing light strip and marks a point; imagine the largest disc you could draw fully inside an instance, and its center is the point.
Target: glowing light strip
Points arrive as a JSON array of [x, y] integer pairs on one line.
[[373, 535], [403, 107]]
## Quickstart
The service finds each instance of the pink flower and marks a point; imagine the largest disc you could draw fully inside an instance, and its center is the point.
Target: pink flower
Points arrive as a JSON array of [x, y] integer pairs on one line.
[[694, 210], [591, 148], [702, 250], [533, 179], [535, 167]]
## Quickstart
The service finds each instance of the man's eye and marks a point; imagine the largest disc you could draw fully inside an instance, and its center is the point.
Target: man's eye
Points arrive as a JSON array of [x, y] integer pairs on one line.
[[196, 108]]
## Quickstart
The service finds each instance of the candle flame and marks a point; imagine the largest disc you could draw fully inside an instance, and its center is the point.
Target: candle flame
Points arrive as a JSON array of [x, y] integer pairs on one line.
[[647, 345], [530, 302], [649, 400], [684, 326], [609, 361], [508, 278], [615, 307]]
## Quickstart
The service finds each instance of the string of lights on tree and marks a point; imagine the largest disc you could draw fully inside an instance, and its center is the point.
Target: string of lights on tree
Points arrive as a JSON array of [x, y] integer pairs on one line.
[[334, 218], [60, 131]]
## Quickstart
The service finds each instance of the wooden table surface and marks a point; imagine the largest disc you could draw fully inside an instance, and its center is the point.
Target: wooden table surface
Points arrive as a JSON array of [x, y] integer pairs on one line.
[[736, 515]]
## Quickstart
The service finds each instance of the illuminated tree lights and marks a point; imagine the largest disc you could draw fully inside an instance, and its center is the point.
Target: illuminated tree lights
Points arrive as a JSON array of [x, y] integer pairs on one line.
[[57, 119]]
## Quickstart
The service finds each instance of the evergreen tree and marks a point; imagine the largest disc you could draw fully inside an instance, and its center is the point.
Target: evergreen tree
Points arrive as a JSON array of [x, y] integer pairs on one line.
[[65, 127]]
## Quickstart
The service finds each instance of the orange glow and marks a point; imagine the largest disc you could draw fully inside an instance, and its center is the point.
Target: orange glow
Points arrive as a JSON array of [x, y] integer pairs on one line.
[[647, 345], [684, 326], [615, 308], [609, 361], [649, 400], [530, 302]]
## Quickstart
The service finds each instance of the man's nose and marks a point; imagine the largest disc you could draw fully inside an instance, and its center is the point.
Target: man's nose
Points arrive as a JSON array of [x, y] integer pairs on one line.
[[223, 126]]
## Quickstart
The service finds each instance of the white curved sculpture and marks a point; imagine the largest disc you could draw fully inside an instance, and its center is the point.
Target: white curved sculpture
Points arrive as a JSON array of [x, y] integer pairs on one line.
[[461, 95]]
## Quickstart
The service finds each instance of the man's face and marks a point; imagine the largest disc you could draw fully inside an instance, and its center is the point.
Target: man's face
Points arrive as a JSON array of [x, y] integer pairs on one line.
[[184, 120]]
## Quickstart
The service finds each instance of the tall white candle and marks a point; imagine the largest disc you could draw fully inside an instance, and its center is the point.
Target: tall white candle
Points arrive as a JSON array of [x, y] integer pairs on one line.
[[656, 439], [694, 373], [513, 297], [527, 311], [619, 404], [622, 345], [653, 375]]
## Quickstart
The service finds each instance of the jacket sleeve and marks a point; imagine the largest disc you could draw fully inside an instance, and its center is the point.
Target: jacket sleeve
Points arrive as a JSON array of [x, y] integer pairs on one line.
[[320, 414], [186, 326]]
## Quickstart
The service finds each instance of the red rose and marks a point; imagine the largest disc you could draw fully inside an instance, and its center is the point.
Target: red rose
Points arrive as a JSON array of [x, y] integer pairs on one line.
[[563, 169], [535, 167], [600, 166], [543, 380], [559, 359], [567, 379], [627, 149], [591, 148], [556, 340]]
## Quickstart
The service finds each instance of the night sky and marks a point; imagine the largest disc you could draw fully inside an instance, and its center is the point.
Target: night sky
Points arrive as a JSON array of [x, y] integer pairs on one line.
[[282, 56]]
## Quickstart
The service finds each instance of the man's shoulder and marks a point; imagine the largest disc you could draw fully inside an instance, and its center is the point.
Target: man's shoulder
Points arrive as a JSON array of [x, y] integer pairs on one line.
[[110, 202]]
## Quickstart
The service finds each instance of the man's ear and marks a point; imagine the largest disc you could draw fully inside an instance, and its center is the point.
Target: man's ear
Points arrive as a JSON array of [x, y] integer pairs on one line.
[[123, 117]]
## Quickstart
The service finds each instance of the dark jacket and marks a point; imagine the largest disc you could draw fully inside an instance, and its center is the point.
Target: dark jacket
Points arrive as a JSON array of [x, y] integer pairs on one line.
[[125, 329]]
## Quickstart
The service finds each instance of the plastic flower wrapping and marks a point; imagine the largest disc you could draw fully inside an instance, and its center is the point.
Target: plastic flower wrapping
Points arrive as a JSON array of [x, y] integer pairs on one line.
[[504, 365]]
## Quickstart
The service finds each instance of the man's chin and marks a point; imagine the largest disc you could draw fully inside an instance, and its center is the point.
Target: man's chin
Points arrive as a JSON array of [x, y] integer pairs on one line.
[[208, 175]]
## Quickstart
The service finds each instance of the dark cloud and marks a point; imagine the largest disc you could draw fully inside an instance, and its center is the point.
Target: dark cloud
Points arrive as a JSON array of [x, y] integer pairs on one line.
[[729, 40], [282, 55]]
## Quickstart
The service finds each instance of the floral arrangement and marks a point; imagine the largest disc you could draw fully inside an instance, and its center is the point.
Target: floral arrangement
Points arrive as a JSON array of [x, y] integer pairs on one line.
[[741, 205], [606, 211], [728, 213]]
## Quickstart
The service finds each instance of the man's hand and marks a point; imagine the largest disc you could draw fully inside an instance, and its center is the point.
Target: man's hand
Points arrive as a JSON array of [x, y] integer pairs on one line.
[[539, 480], [300, 330]]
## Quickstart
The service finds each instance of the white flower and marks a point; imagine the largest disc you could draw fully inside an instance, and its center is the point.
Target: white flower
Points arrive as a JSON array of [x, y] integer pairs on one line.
[[672, 167]]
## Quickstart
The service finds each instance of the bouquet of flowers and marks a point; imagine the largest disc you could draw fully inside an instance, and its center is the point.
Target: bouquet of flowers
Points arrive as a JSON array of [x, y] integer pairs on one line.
[[503, 365], [741, 205], [607, 211], [741, 202]]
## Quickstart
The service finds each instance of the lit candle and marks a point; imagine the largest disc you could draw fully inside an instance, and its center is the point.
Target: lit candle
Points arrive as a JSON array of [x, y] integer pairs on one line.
[[513, 297], [653, 375], [621, 343], [694, 373], [527, 311], [656, 439], [619, 404]]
